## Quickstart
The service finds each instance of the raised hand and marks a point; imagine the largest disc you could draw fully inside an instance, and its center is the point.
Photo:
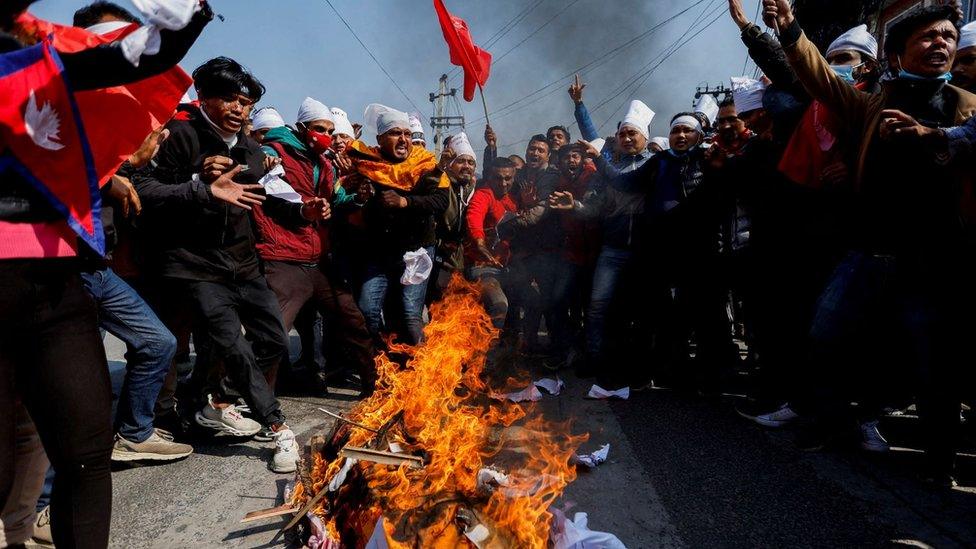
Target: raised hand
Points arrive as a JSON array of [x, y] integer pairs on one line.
[[490, 137], [561, 200], [738, 14], [591, 151], [243, 196], [777, 14], [576, 90]]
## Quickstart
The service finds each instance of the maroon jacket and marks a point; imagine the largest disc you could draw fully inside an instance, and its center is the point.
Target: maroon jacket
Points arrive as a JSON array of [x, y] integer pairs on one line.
[[295, 239]]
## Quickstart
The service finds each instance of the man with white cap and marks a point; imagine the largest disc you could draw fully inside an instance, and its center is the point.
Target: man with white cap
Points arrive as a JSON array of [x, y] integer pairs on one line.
[[658, 145], [402, 192], [263, 120], [629, 150], [663, 215], [295, 238], [964, 67], [458, 161], [417, 131], [344, 133]]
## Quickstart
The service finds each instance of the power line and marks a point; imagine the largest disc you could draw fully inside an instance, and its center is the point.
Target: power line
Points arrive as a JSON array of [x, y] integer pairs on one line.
[[536, 31], [500, 33], [599, 60], [375, 60]]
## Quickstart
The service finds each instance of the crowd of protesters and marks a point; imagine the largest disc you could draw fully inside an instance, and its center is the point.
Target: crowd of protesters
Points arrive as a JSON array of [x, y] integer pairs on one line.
[[813, 227]]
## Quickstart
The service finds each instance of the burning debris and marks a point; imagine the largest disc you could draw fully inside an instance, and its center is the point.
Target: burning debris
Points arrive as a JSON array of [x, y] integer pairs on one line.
[[430, 458]]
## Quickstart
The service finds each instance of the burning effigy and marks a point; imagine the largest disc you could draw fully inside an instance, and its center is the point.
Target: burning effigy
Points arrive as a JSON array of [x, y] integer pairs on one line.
[[430, 459]]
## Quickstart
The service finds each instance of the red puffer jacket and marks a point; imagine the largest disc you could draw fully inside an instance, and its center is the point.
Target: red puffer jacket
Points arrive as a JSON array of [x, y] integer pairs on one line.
[[285, 239]]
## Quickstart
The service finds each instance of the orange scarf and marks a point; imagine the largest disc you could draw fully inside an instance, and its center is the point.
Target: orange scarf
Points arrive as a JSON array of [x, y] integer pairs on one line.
[[403, 176]]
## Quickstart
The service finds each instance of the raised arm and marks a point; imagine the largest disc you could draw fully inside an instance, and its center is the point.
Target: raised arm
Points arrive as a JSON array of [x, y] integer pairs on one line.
[[106, 66], [813, 71]]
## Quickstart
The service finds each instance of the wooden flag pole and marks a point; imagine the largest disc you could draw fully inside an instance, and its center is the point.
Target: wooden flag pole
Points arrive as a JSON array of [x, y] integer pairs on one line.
[[484, 104]]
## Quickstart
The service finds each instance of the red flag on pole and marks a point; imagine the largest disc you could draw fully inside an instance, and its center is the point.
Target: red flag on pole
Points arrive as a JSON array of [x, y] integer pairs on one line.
[[475, 61]]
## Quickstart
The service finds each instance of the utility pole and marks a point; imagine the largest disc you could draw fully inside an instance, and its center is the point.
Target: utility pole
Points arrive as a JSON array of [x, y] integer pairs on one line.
[[719, 92], [439, 122]]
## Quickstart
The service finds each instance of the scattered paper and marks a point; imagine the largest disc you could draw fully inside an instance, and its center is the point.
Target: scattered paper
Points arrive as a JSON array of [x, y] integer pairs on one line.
[[490, 479], [274, 185], [593, 459], [530, 393], [418, 265], [552, 386], [575, 534], [600, 393]]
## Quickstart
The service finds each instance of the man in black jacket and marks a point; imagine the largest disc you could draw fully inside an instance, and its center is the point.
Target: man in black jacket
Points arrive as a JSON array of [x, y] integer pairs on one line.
[[196, 206]]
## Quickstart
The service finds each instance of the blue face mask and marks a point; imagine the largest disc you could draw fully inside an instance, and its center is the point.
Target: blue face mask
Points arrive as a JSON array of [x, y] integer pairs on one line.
[[846, 72], [912, 76]]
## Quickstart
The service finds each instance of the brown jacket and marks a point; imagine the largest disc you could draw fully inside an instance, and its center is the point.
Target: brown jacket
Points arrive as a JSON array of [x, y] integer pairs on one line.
[[859, 111]]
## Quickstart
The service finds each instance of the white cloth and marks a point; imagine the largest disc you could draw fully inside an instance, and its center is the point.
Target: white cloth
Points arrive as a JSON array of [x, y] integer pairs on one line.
[[687, 120], [593, 459], [313, 109], [461, 145], [274, 185], [599, 143], [267, 118], [342, 124], [857, 39], [662, 142], [600, 393], [707, 105], [418, 266], [381, 119], [159, 14], [639, 116], [967, 36], [107, 27], [747, 93], [416, 126], [576, 534]]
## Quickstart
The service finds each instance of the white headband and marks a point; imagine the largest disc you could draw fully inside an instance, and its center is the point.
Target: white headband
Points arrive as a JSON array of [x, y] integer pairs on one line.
[[687, 120]]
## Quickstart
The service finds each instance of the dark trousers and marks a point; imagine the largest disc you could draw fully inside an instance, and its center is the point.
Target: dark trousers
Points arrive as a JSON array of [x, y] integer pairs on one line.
[[51, 354], [926, 316], [225, 307], [297, 285]]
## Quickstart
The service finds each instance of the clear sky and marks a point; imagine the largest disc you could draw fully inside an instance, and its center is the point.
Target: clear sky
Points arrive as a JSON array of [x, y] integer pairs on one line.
[[300, 47]]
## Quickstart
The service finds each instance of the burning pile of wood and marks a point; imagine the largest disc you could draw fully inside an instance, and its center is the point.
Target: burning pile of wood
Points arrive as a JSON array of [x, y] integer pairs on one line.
[[430, 460]]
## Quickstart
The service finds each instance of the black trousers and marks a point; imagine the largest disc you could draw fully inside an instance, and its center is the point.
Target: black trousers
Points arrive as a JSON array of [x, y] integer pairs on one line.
[[223, 309], [297, 285], [51, 355]]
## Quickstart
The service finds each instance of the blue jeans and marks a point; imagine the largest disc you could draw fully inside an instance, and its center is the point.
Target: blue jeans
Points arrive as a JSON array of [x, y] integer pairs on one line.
[[870, 296], [150, 350], [379, 276], [610, 267]]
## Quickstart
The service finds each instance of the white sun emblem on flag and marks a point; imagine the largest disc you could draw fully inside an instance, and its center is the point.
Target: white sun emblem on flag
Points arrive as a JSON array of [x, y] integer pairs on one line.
[[42, 124]]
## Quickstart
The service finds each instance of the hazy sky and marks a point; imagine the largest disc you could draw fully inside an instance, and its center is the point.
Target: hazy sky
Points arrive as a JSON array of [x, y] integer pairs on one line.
[[300, 47]]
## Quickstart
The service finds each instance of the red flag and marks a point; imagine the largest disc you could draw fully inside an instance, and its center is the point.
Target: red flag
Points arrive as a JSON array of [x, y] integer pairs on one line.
[[475, 61], [68, 144]]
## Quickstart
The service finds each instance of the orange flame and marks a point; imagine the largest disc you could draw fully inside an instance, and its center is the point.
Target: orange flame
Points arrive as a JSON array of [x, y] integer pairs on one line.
[[448, 418]]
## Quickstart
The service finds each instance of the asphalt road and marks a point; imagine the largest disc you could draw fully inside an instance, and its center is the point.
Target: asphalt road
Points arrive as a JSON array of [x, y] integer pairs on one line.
[[682, 472]]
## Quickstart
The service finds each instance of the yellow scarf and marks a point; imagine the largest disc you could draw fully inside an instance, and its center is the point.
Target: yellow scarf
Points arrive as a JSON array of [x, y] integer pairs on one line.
[[403, 176]]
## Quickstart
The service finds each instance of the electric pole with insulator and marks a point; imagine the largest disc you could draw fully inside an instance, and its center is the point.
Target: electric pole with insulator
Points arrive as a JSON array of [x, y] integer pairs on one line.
[[440, 123]]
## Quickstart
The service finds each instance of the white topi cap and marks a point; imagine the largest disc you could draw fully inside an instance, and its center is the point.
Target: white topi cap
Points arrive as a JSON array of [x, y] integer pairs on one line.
[[312, 109], [747, 93], [707, 105], [967, 36], [461, 146], [639, 116], [342, 124], [857, 39], [381, 119], [266, 118]]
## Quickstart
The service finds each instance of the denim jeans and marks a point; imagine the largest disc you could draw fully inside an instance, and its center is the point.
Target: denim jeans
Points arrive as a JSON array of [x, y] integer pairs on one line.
[[380, 275], [610, 267], [150, 349], [871, 294]]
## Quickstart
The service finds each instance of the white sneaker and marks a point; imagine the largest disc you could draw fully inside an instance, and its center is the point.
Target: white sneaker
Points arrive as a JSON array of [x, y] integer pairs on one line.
[[871, 439], [226, 419], [778, 418], [285, 458]]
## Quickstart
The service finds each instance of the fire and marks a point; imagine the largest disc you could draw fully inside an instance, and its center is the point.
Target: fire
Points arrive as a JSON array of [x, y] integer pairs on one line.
[[491, 468]]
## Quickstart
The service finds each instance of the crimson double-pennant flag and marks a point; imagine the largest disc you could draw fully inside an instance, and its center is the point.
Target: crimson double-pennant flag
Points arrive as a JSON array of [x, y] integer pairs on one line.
[[475, 61], [68, 144]]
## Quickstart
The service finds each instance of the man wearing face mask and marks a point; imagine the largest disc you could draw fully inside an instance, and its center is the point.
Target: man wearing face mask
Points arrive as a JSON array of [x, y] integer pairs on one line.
[[913, 278], [294, 240]]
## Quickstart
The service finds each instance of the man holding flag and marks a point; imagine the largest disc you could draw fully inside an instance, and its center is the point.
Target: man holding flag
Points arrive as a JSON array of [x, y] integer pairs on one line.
[[54, 152]]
